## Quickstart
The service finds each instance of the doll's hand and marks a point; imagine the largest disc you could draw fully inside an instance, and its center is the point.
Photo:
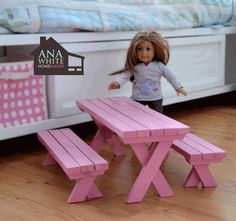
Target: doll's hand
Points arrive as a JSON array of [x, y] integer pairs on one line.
[[181, 91], [113, 85]]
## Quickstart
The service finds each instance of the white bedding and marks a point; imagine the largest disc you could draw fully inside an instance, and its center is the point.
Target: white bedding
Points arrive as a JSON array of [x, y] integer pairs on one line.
[[38, 16]]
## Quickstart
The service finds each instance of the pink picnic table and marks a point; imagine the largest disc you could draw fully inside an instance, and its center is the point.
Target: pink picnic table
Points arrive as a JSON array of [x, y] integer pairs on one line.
[[135, 125]]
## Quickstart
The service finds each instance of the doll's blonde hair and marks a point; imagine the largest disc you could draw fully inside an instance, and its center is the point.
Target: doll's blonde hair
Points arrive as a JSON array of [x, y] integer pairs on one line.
[[160, 45]]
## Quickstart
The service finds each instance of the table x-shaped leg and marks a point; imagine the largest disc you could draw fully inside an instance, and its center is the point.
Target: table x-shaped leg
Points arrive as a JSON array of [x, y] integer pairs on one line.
[[151, 161], [105, 135]]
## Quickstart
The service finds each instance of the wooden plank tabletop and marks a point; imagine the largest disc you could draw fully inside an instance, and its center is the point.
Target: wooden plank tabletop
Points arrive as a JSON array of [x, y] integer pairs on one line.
[[130, 119]]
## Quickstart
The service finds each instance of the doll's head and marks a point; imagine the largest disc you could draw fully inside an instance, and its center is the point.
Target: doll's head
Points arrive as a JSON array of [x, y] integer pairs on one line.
[[160, 46]]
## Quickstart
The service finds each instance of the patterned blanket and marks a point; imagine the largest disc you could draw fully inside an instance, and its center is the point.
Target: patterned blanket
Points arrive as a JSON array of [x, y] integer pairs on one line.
[[42, 16]]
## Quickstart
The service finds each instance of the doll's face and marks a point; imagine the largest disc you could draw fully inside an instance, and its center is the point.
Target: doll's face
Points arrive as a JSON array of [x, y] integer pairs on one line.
[[145, 52]]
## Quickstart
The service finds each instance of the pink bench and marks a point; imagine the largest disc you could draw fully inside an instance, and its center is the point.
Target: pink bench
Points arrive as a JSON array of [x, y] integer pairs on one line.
[[77, 159], [199, 153]]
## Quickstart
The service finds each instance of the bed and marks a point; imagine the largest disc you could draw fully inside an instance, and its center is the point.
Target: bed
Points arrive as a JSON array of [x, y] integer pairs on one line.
[[201, 33], [46, 16]]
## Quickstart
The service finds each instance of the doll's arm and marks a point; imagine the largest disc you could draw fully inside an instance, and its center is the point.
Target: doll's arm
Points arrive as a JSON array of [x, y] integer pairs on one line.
[[120, 80], [113, 85], [170, 77], [173, 80], [181, 90]]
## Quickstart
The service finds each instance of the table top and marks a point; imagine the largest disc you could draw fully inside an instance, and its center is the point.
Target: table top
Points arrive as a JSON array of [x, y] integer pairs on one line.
[[129, 119]]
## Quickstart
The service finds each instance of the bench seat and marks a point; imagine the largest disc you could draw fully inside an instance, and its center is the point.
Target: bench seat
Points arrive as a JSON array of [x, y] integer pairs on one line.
[[77, 159], [199, 153]]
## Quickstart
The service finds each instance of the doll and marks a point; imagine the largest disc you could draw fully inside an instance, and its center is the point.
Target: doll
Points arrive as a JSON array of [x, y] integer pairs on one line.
[[147, 56]]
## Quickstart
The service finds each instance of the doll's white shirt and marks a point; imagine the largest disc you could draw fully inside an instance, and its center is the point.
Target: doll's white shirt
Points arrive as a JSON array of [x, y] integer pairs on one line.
[[147, 85]]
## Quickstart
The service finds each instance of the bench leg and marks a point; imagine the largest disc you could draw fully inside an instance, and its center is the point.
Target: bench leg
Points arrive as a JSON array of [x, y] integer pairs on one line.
[[200, 174], [49, 160], [94, 192], [84, 188]]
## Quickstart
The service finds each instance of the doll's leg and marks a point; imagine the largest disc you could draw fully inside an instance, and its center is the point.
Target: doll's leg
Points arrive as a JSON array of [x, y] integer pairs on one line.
[[156, 105], [142, 102]]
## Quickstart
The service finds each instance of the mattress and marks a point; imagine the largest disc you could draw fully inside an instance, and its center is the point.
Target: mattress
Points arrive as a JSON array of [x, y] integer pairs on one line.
[[47, 16]]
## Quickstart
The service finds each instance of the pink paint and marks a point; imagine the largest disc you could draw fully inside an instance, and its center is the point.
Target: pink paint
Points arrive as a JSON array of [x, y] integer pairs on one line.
[[21, 94]]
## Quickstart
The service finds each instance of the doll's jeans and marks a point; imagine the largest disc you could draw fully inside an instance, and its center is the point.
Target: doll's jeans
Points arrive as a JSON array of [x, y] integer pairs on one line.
[[155, 105]]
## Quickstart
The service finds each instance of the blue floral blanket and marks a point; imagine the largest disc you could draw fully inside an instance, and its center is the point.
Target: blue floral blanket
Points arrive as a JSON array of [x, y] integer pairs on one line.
[[42, 16]]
